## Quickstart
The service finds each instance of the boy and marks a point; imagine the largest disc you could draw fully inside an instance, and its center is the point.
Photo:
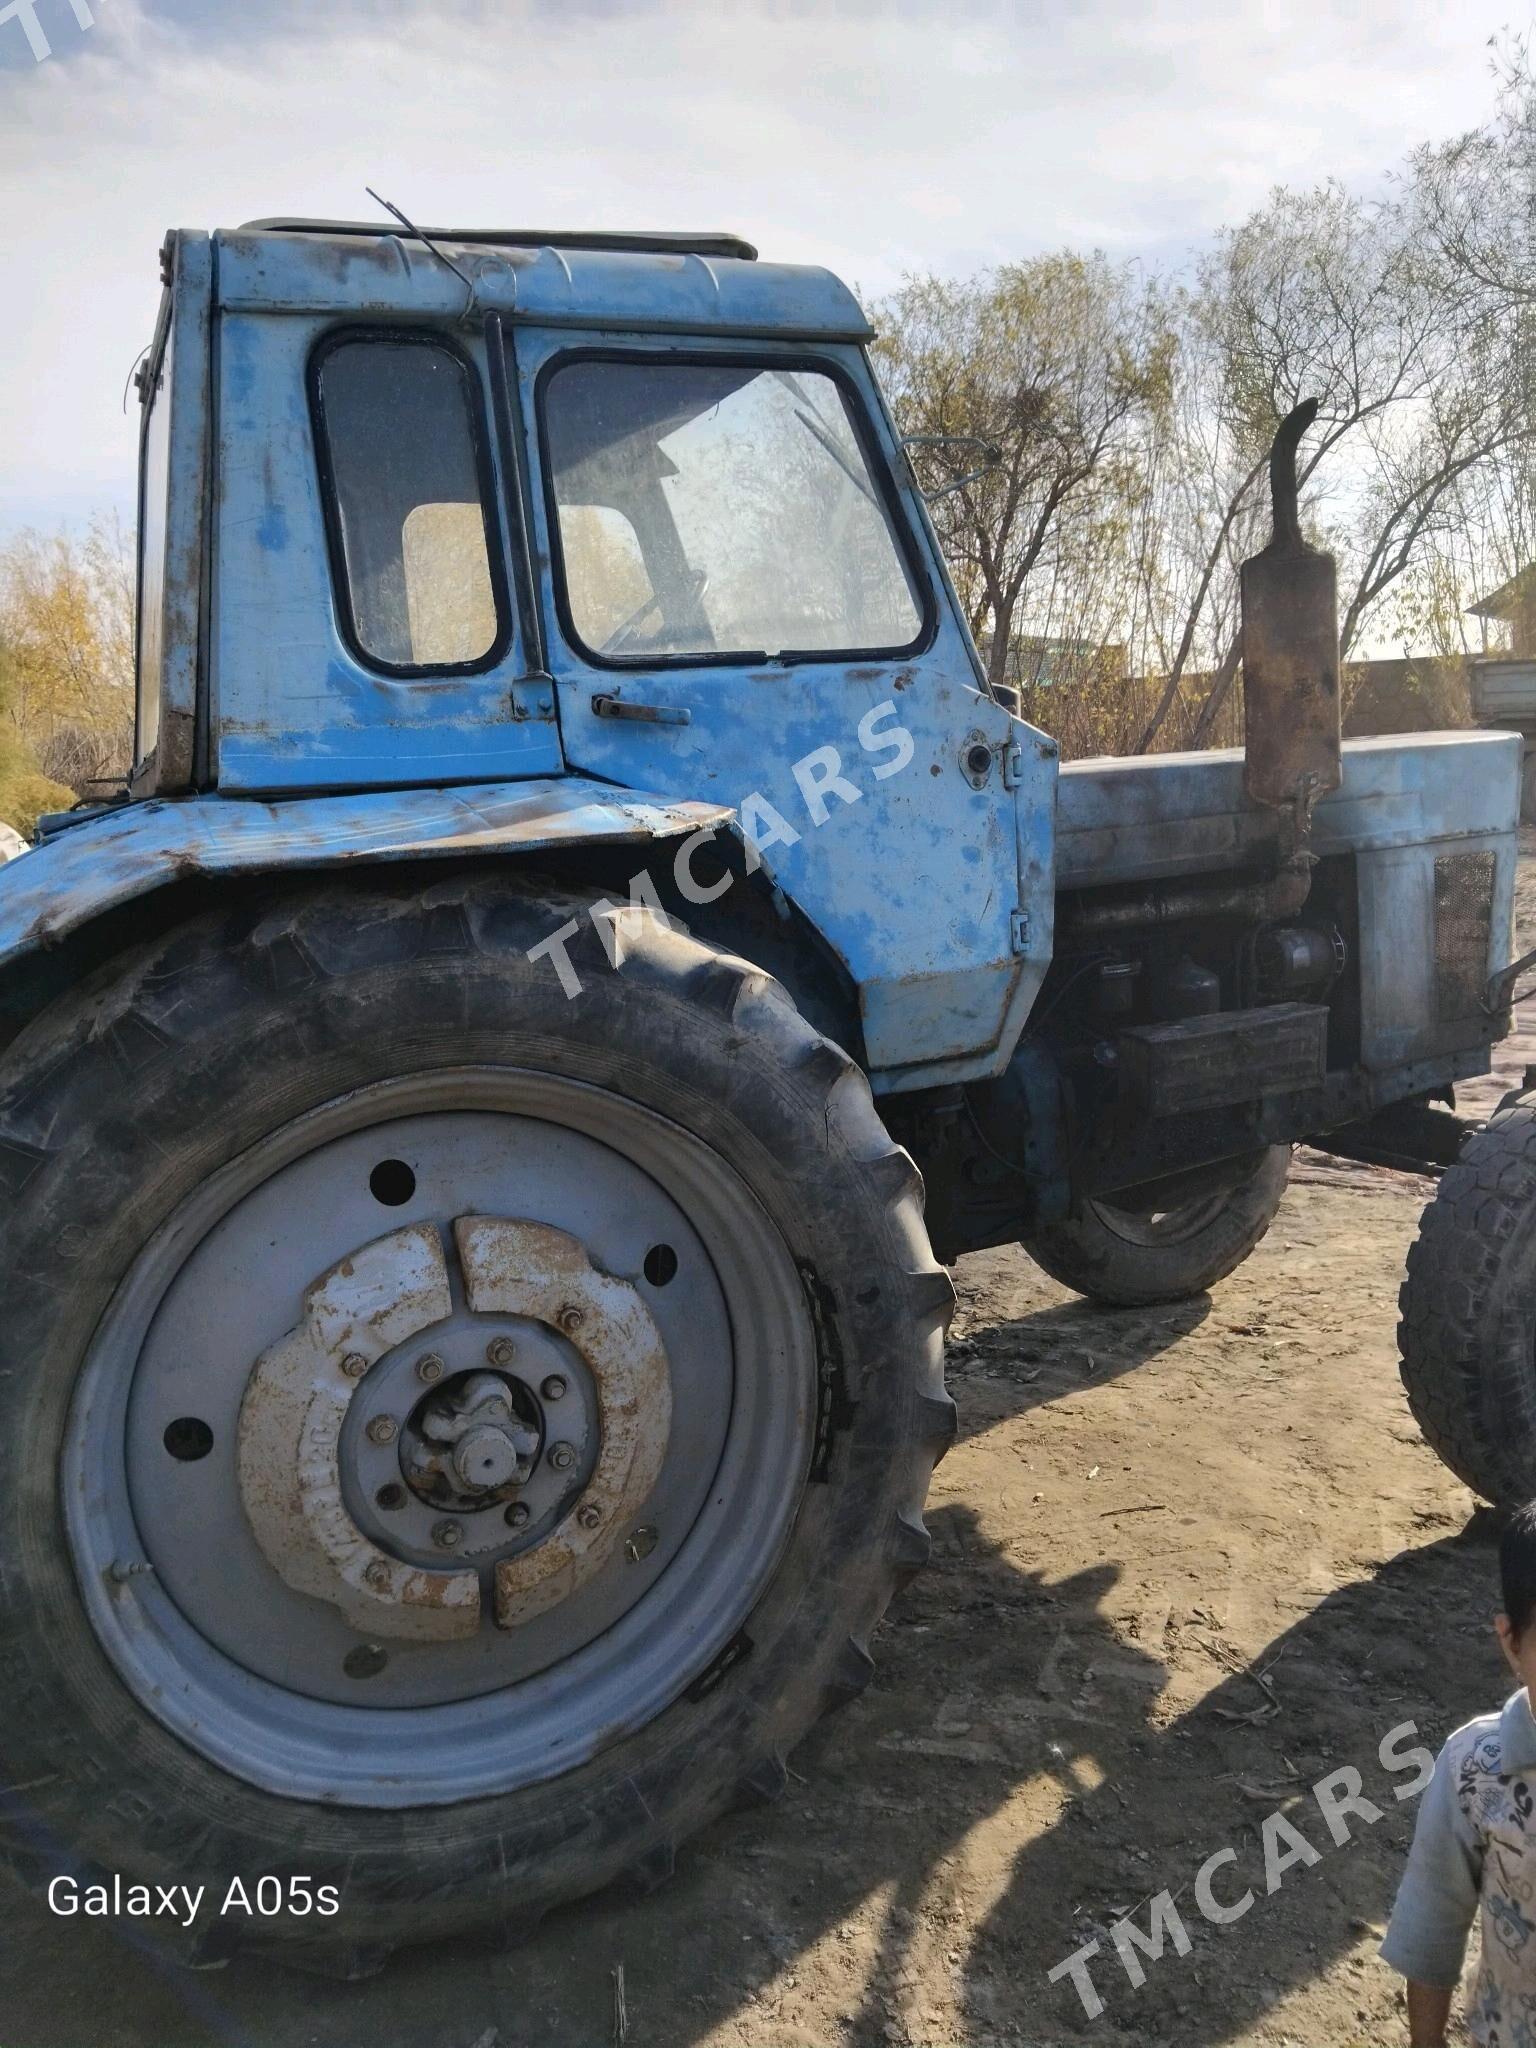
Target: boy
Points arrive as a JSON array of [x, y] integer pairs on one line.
[[1475, 1846]]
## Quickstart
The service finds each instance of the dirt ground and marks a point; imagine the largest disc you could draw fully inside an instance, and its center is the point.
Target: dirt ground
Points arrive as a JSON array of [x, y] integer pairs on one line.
[[1187, 1562]]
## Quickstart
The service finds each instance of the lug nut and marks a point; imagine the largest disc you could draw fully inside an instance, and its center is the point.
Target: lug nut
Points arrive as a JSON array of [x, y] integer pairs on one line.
[[516, 1516], [570, 1318], [553, 1388], [640, 1544], [562, 1457], [354, 1365], [429, 1368], [447, 1535], [377, 1574], [382, 1430], [590, 1515], [501, 1351]]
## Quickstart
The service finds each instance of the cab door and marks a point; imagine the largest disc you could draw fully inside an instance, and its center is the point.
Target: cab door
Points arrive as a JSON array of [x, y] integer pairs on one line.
[[742, 602]]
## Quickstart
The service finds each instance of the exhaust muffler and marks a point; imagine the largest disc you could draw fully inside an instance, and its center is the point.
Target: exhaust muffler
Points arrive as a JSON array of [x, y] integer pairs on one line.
[[1290, 634]]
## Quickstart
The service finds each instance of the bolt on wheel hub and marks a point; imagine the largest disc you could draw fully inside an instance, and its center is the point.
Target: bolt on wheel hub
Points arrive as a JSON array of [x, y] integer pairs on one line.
[[472, 1443]]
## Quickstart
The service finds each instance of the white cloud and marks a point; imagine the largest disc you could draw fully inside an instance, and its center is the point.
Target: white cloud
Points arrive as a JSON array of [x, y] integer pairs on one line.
[[873, 140]]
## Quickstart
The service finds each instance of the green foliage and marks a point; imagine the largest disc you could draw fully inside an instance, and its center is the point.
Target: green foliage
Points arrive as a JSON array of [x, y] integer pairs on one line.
[[25, 791], [66, 668]]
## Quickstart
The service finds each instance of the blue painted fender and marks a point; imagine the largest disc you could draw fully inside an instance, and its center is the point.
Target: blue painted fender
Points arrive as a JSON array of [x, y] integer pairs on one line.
[[109, 860]]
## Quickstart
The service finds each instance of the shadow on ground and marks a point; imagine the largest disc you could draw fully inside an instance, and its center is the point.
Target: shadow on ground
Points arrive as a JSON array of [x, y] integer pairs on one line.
[[1007, 1368], [1000, 1692]]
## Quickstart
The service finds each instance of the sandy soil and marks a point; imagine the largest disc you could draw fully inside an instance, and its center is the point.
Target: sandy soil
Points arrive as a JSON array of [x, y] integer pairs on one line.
[[1187, 1562]]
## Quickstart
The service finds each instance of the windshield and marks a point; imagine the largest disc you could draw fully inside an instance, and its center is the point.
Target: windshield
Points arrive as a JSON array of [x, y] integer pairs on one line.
[[715, 510]]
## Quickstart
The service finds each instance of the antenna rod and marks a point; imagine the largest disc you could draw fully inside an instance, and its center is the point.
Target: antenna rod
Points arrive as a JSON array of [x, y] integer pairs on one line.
[[441, 254]]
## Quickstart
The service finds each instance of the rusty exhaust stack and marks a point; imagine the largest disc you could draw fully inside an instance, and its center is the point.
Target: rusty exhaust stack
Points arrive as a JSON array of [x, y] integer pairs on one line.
[[1290, 626], [1294, 754]]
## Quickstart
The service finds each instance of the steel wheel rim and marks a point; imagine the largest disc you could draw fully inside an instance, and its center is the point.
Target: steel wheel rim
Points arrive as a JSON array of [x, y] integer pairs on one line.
[[1153, 1229], [537, 1723]]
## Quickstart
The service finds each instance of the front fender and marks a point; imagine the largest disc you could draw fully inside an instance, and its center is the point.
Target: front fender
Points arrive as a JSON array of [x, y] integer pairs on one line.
[[102, 863]]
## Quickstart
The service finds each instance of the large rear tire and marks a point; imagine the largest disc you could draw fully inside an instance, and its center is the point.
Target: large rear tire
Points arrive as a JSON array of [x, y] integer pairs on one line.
[[1468, 1331], [1165, 1245], [229, 1172]]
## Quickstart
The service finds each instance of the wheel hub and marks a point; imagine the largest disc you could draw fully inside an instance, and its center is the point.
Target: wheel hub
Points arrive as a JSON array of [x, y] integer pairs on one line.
[[472, 1454], [317, 1414], [473, 1443]]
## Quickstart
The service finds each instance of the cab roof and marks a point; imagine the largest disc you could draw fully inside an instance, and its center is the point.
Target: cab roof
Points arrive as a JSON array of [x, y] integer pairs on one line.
[[628, 282], [634, 240]]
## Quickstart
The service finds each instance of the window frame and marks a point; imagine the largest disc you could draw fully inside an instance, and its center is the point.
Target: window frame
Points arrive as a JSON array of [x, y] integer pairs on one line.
[[148, 690], [881, 478], [492, 514]]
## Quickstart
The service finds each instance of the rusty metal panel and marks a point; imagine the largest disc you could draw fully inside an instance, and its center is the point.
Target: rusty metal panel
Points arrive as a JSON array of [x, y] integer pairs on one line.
[[123, 854], [1228, 1057], [1290, 676], [1463, 933], [1290, 651], [1400, 969]]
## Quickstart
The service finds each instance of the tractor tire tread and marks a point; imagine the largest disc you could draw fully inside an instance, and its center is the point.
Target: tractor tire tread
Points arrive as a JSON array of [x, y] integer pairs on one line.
[[300, 972], [1085, 1253], [1464, 1330]]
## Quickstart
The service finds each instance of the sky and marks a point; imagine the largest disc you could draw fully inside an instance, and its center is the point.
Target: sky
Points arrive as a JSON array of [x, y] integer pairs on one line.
[[874, 139]]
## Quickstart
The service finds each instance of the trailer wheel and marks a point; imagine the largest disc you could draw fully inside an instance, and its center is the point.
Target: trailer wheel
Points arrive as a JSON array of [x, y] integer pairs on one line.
[[456, 1435], [1165, 1244], [1468, 1331]]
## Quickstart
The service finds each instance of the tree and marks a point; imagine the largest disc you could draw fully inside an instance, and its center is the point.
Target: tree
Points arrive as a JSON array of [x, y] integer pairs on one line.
[[25, 791], [1478, 192], [1052, 369], [1324, 294], [66, 655], [1094, 446], [1476, 202]]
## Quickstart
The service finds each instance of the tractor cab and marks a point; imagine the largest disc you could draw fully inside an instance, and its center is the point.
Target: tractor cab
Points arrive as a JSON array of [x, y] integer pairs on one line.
[[449, 510], [446, 474]]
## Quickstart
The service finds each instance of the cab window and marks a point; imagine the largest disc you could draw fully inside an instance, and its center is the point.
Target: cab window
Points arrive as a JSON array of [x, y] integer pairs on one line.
[[709, 510], [409, 504]]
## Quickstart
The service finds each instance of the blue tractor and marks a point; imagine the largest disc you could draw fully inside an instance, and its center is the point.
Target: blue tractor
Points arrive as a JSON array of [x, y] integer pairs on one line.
[[473, 1341]]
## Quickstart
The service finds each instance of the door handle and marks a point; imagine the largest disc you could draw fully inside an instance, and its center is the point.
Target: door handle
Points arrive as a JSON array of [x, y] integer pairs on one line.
[[641, 713]]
